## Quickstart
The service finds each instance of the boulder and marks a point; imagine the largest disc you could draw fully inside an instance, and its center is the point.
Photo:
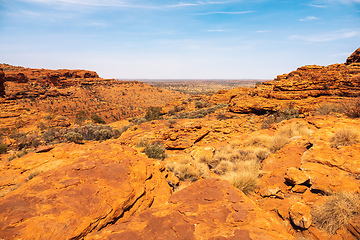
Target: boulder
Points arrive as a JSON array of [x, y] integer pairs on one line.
[[295, 176], [300, 215]]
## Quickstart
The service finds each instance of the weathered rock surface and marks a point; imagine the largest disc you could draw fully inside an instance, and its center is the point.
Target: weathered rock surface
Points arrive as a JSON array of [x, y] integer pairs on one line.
[[300, 88], [207, 209], [300, 215], [354, 57], [67, 195]]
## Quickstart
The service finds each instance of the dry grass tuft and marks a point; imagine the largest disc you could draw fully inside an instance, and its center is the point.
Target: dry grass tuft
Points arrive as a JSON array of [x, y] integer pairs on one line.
[[245, 177], [203, 170], [224, 167], [295, 129], [259, 141], [278, 142], [261, 154], [344, 137], [185, 172], [337, 211]]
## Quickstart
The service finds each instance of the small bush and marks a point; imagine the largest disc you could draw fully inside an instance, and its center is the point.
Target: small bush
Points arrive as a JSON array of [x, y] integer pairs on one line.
[[49, 117], [344, 137], [125, 128], [154, 113], [138, 121], [33, 174], [327, 109], [3, 148], [221, 116], [285, 114], [171, 123], [81, 116], [12, 157], [202, 104], [352, 109], [186, 172], [97, 119], [336, 211], [73, 137], [155, 150], [22, 153]]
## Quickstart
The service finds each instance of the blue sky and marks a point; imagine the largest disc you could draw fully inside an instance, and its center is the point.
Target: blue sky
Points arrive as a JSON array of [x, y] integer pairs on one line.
[[187, 39]]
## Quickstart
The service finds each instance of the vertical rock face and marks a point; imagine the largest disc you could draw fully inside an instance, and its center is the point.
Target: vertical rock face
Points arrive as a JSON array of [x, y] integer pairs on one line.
[[2, 88], [354, 58]]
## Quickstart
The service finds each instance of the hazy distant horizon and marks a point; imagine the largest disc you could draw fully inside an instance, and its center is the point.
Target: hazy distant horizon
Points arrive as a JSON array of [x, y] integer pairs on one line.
[[173, 39]]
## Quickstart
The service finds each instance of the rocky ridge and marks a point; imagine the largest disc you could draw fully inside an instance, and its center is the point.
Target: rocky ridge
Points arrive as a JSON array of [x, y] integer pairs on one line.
[[303, 88], [305, 162]]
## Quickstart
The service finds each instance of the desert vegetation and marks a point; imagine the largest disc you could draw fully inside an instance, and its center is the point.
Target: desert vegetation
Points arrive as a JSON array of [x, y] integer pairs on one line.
[[344, 137], [281, 115], [155, 150], [336, 211]]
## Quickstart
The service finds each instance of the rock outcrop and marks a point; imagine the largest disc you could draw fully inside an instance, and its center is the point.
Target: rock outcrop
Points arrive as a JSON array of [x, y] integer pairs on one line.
[[72, 190], [354, 57], [303, 88], [207, 209], [2, 87]]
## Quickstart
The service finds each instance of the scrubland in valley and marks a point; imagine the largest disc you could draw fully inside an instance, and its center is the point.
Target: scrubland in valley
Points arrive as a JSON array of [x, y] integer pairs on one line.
[[124, 160]]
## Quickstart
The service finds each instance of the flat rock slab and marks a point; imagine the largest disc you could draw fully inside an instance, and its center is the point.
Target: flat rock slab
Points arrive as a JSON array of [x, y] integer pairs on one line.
[[207, 209], [104, 183]]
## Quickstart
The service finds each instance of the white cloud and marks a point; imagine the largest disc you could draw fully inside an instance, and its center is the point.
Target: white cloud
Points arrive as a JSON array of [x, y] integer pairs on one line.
[[124, 3], [209, 13], [308, 18], [215, 30], [317, 5], [321, 3], [327, 36], [262, 31]]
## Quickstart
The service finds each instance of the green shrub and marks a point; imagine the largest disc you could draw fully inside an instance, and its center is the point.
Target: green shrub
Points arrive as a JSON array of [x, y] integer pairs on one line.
[[155, 150], [281, 115], [73, 137], [81, 116], [138, 121], [202, 104], [327, 109], [3, 148], [21, 153], [97, 119], [154, 113]]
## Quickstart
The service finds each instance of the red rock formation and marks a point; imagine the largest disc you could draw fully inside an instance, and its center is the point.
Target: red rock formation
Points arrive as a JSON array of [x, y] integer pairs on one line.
[[304, 88], [207, 209], [354, 57], [2, 87], [82, 188]]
